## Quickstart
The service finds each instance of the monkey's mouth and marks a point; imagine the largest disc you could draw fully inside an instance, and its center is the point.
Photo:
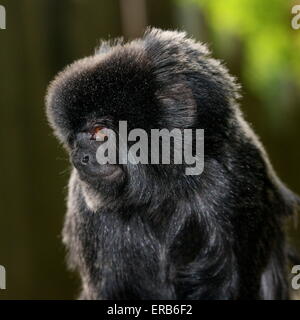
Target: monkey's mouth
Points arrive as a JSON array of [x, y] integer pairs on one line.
[[99, 173], [110, 172]]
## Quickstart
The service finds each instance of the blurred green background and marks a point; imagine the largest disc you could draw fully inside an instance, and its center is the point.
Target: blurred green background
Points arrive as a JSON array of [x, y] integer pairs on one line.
[[253, 37]]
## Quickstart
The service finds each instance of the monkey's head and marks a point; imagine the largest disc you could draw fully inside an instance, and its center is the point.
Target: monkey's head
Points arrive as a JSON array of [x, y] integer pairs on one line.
[[161, 81]]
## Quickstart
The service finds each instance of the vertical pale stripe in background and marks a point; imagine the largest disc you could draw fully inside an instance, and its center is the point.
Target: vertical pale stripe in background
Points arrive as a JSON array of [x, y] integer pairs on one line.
[[134, 17]]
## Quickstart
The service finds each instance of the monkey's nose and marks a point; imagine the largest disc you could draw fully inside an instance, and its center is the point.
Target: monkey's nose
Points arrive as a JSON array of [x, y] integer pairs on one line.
[[85, 160]]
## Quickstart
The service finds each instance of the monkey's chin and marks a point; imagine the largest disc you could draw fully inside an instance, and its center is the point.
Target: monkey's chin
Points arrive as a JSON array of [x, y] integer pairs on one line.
[[113, 174], [104, 174]]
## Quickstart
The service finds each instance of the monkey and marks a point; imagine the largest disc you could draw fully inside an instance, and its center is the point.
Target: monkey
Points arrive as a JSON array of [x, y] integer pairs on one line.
[[150, 231]]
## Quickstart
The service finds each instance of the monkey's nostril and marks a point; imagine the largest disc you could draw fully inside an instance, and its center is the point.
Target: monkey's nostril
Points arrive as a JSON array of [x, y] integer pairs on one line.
[[85, 159]]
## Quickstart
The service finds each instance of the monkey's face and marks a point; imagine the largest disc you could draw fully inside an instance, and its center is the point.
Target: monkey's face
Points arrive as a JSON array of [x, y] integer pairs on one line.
[[83, 156]]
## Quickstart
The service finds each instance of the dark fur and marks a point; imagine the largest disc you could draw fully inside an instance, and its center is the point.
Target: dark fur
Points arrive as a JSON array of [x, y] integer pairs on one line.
[[154, 232]]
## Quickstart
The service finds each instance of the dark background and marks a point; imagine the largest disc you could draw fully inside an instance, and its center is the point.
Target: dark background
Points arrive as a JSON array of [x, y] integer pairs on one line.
[[254, 38]]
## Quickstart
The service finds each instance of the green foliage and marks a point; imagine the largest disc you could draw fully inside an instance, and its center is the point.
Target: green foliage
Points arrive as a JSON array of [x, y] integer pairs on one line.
[[270, 47]]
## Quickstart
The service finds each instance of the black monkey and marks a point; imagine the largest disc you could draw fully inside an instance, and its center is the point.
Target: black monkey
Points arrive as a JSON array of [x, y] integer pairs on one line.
[[151, 231]]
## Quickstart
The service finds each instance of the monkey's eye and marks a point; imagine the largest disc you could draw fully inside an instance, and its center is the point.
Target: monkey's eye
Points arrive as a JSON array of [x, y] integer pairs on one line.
[[98, 133]]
